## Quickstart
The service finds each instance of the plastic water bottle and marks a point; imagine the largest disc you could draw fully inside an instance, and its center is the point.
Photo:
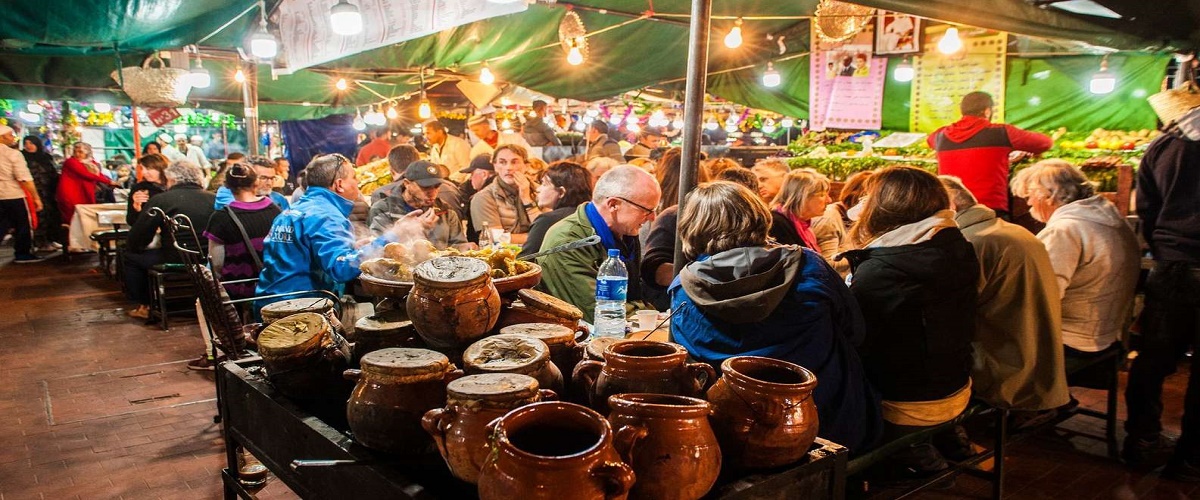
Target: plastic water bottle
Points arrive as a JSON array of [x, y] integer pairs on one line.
[[611, 285], [485, 237]]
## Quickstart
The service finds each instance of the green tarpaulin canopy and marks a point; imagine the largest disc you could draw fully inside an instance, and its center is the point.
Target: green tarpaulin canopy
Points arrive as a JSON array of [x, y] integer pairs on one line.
[[66, 49]]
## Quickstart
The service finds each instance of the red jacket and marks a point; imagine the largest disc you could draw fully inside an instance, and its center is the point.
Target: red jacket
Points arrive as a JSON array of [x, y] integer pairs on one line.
[[77, 186], [976, 151]]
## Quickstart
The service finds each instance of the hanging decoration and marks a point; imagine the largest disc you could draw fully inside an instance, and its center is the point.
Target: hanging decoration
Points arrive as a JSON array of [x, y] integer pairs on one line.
[[572, 34], [836, 21]]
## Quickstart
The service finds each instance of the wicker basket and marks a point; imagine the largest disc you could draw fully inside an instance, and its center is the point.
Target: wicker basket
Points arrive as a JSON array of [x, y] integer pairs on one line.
[[1171, 105], [152, 86]]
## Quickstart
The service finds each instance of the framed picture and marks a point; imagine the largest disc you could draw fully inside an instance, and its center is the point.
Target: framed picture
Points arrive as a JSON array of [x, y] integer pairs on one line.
[[897, 33]]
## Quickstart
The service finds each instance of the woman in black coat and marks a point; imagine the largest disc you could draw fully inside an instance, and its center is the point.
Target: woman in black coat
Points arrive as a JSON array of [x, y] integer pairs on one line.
[[915, 280]]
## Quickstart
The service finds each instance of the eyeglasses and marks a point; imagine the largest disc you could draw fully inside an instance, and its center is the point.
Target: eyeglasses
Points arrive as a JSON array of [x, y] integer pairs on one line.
[[649, 211]]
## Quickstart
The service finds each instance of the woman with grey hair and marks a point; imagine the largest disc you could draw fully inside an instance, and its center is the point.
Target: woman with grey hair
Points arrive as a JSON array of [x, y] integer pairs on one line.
[[1093, 250]]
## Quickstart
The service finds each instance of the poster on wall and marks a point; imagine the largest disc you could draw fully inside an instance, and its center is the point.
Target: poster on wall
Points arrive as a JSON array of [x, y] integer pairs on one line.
[[308, 38], [897, 33], [942, 80], [846, 89]]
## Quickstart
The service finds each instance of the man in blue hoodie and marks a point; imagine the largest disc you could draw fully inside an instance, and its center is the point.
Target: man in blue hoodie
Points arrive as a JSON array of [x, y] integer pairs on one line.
[[311, 245]]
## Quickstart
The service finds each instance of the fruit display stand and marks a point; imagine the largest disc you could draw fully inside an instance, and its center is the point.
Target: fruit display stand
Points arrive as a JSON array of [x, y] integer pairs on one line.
[[317, 459]]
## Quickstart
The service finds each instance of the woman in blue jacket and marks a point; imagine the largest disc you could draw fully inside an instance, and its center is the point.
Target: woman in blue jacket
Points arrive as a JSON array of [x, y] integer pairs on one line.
[[743, 297]]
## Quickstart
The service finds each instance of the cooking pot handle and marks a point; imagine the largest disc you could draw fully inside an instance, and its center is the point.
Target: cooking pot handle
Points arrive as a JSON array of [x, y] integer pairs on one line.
[[626, 437], [585, 375], [581, 333], [703, 374], [434, 422], [618, 478], [548, 395], [352, 374]]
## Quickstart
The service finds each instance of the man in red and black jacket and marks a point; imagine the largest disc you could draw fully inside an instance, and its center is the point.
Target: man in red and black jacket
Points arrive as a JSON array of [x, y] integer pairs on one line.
[[976, 150]]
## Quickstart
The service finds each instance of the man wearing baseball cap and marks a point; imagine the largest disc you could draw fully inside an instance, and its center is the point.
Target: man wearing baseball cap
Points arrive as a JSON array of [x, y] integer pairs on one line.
[[15, 180], [417, 200]]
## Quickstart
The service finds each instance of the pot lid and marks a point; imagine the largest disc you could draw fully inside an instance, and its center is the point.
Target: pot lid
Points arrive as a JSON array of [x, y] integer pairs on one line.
[[292, 333], [292, 306], [550, 333], [450, 270], [405, 361], [493, 386], [505, 352], [550, 304], [384, 322]]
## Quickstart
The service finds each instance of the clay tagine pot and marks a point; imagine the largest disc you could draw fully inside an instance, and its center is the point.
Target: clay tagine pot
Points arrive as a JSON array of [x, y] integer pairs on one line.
[[538, 307], [564, 343], [395, 388], [513, 353], [453, 302], [642, 366], [304, 357], [384, 330], [669, 443], [763, 411], [553, 451], [460, 429]]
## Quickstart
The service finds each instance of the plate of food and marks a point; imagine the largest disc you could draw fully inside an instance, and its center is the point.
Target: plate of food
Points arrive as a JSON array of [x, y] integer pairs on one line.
[[390, 275]]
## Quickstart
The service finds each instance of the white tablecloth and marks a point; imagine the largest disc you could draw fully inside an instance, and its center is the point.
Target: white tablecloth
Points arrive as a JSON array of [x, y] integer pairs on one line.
[[89, 219]]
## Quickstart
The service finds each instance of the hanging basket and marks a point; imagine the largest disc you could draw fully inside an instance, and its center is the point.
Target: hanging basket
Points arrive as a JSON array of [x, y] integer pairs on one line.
[[158, 87], [837, 21], [1171, 105]]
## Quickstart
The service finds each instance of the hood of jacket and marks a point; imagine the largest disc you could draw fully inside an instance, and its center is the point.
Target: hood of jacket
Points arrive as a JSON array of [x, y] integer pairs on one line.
[[965, 128], [917, 232], [974, 215], [1096, 209], [743, 285]]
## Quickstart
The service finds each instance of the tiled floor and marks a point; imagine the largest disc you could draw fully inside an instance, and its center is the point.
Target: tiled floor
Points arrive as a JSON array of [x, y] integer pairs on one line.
[[102, 407]]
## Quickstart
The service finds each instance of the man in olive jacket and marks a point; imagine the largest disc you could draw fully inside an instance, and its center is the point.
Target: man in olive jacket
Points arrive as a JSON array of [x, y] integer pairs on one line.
[[1018, 327], [622, 202]]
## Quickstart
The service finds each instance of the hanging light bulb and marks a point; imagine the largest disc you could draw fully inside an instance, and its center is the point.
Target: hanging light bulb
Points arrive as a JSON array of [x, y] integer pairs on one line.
[[392, 114], [677, 123], [199, 76], [731, 128], [262, 42], [950, 42], [768, 126], [734, 39], [345, 19], [359, 123], [240, 76], [633, 128], [101, 107], [374, 117], [34, 107], [341, 84], [424, 111], [506, 124], [615, 120], [632, 119], [904, 71], [575, 56], [787, 122], [593, 112], [485, 75], [771, 78], [29, 117], [581, 125], [712, 124], [1103, 82]]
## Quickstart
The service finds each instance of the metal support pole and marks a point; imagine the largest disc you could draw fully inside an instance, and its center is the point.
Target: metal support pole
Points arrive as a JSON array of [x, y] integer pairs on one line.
[[693, 109], [250, 102], [137, 142]]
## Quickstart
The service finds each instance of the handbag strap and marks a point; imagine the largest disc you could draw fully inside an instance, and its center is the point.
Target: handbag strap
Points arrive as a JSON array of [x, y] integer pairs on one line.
[[258, 264]]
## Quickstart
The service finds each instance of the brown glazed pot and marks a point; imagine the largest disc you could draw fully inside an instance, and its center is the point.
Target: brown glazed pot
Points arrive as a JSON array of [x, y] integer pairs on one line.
[[669, 443], [395, 388], [513, 354], [641, 366], [304, 357], [460, 429], [763, 411], [382, 331], [553, 451], [564, 343], [453, 302]]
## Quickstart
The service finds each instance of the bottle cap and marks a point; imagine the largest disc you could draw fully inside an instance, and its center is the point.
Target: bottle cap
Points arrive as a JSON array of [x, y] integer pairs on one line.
[[613, 252]]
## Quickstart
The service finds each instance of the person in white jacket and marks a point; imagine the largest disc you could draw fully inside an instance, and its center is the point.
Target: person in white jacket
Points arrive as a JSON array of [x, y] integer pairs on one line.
[[1094, 253]]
